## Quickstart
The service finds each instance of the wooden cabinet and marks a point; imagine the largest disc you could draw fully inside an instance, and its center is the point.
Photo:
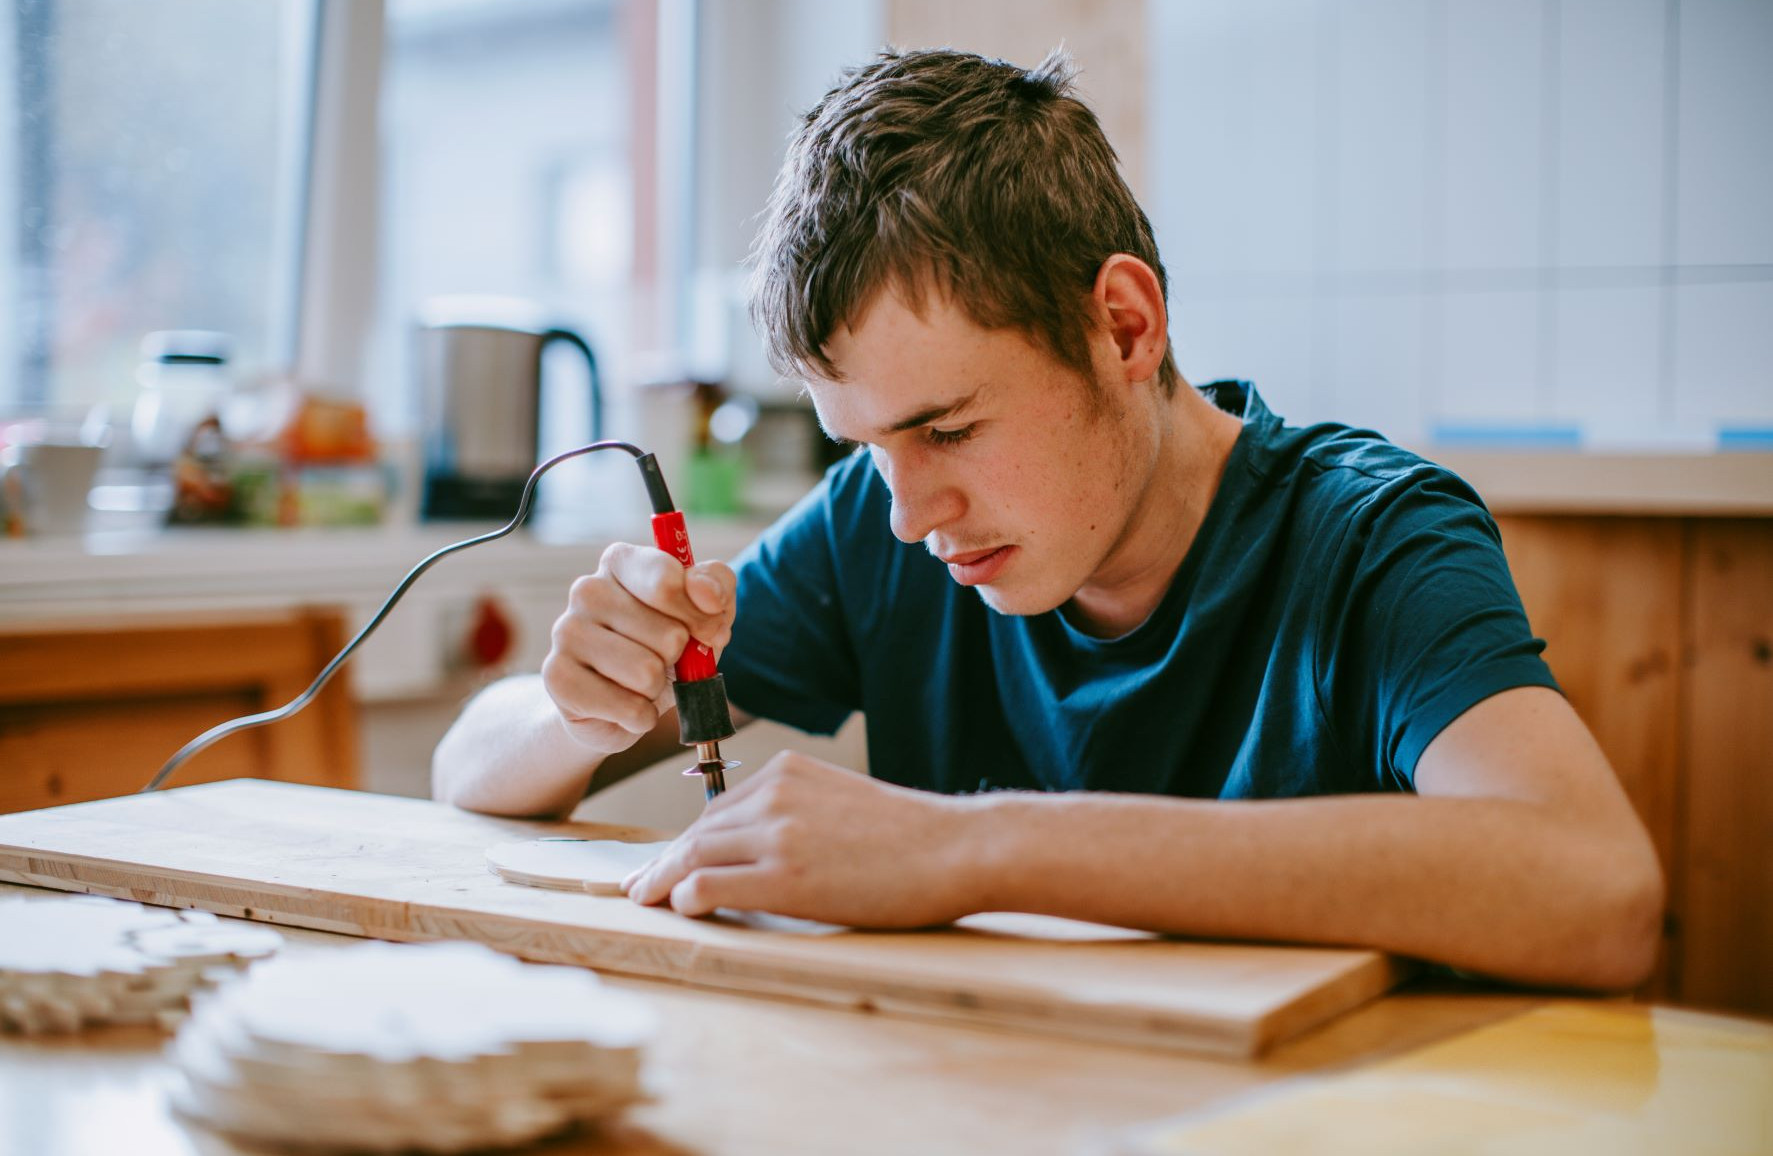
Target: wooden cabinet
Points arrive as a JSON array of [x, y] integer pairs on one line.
[[92, 709], [1660, 630]]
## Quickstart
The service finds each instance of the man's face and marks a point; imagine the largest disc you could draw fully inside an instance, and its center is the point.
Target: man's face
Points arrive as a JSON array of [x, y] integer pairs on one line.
[[998, 460]]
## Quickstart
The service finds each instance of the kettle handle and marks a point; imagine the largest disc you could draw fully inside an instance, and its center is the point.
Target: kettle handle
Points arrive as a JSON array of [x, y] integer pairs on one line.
[[577, 342]]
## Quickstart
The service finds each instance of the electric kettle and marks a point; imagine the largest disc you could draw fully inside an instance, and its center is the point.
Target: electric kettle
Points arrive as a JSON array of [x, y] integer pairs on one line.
[[480, 385]]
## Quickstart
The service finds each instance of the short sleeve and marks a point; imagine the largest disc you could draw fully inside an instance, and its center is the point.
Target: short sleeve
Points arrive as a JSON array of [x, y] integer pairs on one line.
[[1422, 622], [791, 658]]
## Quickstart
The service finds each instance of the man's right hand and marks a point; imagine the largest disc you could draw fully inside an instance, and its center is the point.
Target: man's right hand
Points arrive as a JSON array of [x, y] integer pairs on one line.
[[609, 668]]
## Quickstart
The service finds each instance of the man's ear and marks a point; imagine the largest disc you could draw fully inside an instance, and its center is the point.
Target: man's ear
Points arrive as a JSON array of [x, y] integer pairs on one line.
[[1129, 307]]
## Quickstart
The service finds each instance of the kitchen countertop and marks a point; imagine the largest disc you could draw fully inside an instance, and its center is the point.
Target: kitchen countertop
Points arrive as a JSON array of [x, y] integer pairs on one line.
[[1729, 484], [133, 569], [132, 575]]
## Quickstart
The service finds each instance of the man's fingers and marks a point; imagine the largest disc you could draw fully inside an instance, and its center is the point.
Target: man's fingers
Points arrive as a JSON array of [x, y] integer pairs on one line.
[[695, 850], [601, 600], [581, 694], [743, 888], [659, 581], [626, 662], [712, 586], [608, 669], [747, 801]]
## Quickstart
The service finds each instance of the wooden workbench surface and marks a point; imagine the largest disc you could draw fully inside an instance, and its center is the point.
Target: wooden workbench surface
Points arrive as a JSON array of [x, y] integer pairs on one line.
[[410, 869], [739, 1074]]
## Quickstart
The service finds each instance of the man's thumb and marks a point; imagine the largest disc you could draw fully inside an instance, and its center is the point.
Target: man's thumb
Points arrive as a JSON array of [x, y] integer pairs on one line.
[[706, 592]]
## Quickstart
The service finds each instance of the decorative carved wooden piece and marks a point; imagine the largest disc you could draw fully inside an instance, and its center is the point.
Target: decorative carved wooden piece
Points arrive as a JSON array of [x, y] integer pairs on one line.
[[70, 963], [444, 1047]]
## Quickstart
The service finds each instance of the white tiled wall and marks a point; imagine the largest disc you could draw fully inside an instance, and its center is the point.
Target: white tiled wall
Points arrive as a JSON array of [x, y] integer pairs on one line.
[[1490, 134], [1458, 215], [1726, 142], [1609, 93], [1608, 354]]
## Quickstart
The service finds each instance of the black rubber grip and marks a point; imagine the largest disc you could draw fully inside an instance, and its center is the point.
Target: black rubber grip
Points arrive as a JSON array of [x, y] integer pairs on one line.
[[702, 714]]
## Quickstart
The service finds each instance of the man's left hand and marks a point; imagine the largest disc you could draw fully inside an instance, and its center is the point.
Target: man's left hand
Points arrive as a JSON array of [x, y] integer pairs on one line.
[[814, 841]]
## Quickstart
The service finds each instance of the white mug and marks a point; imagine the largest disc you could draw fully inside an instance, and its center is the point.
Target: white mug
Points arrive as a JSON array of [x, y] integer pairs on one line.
[[44, 484]]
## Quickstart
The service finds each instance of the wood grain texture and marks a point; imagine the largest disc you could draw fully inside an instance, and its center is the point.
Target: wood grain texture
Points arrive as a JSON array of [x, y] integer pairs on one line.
[[736, 1076], [1606, 595], [1727, 887], [91, 710], [408, 869]]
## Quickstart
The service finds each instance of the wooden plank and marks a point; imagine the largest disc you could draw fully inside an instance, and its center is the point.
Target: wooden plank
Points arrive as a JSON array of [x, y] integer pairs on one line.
[[411, 870], [1727, 900], [1605, 594]]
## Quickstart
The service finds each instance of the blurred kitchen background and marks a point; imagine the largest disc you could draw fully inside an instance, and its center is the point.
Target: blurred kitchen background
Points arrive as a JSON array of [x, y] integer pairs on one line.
[[1531, 238]]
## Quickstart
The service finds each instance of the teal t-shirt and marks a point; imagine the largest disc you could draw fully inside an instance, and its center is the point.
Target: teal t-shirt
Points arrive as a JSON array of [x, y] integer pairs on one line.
[[1343, 602]]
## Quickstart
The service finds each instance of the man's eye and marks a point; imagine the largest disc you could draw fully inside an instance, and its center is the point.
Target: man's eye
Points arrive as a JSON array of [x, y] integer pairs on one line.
[[949, 437]]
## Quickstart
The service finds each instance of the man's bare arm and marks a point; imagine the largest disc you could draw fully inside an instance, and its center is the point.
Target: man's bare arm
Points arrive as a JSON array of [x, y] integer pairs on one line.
[[1551, 881], [509, 754], [1521, 858]]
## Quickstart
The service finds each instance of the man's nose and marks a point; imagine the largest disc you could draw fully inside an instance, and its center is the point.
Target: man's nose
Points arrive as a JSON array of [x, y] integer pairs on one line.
[[923, 500]]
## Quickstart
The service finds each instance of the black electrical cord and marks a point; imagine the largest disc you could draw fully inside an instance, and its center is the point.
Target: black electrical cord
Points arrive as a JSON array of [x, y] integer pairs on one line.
[[656, 492]]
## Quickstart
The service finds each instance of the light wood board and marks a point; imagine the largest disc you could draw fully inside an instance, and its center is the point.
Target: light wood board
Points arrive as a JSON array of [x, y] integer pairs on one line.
[[407, 869]]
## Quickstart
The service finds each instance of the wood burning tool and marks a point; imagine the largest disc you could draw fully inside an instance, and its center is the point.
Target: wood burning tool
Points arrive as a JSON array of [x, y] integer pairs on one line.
[[703, 718]]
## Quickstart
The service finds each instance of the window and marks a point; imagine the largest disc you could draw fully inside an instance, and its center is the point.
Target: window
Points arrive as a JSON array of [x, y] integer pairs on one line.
[[506, 173], [304, 175], [153, 173]]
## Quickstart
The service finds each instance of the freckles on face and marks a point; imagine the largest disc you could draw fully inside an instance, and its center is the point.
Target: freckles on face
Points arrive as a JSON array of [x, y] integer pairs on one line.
[[1043, 468]]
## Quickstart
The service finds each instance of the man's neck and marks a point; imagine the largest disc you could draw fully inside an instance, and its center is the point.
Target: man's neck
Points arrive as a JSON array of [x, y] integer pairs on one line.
[[1192, 454]]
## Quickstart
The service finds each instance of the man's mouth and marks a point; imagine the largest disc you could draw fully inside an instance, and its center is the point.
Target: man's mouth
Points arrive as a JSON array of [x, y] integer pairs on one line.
[[969, 557], [978, 567]]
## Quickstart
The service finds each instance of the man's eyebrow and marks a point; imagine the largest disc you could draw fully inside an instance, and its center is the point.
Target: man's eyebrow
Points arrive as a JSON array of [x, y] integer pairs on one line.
[[932, 413]]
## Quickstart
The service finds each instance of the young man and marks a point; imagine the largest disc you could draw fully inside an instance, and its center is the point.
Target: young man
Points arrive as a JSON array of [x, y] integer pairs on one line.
[[1129, 651]]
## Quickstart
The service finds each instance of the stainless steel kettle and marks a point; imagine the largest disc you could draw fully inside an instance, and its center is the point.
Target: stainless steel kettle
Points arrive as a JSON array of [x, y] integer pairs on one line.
[[481, 387]]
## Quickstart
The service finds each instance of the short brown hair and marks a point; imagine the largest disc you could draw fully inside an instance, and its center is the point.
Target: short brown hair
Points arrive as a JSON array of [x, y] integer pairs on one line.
[[936, 168]]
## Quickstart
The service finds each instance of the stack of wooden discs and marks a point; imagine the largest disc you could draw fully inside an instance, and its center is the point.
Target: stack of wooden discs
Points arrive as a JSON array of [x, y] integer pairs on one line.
[[67, 963], [384, 1047]]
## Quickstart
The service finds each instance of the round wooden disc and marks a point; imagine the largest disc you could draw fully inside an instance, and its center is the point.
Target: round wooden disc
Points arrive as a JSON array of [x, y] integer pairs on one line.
[[594, 865]]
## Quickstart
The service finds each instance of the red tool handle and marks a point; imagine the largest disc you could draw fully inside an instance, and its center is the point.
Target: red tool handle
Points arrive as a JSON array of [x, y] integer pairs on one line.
[[697, 661]]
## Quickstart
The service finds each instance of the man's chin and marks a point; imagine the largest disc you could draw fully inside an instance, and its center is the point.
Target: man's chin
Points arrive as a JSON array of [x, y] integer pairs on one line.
[[1018, 603]]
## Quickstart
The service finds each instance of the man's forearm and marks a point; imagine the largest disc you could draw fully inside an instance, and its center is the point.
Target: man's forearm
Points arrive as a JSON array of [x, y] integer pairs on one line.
[[507, 754], [1490, 885]]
